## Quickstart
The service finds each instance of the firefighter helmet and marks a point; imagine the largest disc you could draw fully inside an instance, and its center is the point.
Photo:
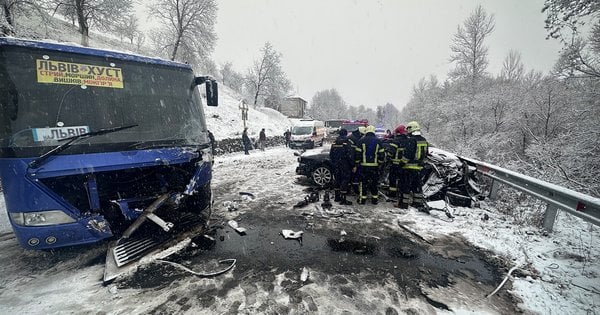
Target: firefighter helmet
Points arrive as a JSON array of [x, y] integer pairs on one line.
[[370, 129], [400, 130], [362, 130], [413, 126]]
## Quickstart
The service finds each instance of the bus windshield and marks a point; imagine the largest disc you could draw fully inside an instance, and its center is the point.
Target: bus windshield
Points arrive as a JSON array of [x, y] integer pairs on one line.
[[48, 95]]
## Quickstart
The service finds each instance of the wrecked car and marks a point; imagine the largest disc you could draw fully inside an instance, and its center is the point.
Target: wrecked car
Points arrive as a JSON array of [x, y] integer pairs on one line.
[[444, 175]]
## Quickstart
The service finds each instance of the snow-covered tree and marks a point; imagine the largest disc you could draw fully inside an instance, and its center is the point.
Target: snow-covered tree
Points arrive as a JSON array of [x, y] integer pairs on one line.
[[581, 53], [100, 14], [187, 31], [469, 52], [512, 68], [327, 104], [11, 8], [265, 80], [231, 77]]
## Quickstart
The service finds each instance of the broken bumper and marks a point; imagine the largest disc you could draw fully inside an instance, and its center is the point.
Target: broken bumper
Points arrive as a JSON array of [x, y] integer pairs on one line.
[[84, 231]]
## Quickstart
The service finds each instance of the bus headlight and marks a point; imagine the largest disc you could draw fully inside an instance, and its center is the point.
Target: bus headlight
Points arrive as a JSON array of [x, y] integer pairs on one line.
[[41, 218]]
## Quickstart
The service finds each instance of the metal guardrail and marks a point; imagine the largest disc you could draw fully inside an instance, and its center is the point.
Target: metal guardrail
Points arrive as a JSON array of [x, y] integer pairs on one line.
[[556, 197]]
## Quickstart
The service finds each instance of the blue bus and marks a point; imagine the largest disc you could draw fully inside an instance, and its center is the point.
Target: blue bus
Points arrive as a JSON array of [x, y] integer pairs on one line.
[[93, 143]]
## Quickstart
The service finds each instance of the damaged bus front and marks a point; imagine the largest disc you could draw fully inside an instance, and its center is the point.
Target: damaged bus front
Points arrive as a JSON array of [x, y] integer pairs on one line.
[[94, 142]]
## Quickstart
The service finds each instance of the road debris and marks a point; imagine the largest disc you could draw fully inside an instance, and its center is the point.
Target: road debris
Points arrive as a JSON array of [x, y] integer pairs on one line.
[[230, 206], [503, 281], [304, 275], [234, 225], [232, 263], [289, 234], [247, 195], [310, 198]]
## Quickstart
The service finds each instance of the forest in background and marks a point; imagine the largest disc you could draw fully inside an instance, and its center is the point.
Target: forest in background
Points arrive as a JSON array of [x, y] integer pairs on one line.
[[543, 125]]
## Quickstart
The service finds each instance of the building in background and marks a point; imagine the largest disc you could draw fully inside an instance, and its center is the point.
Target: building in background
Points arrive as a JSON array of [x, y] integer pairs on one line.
[[293, 106]]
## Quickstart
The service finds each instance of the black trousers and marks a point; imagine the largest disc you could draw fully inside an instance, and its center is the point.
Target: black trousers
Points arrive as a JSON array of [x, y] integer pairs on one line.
[[343, 176], [369, 179], [394, 177]]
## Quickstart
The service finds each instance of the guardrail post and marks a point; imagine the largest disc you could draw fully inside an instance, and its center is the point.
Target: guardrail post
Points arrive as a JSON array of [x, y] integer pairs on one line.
[[550, 217], [494, 190]]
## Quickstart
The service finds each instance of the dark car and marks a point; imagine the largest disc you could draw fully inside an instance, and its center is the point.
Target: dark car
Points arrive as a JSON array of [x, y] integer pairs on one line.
[[316, 165], [444, 174]]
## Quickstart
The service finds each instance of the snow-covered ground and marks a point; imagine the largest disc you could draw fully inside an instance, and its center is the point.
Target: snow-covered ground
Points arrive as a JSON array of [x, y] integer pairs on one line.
[[558, 273], [225, 120]]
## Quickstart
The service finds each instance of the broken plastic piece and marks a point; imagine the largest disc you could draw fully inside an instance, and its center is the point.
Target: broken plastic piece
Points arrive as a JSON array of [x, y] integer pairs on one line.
[[243, 193], [289, 234], [304, 274], [202, 275], [234, 225]]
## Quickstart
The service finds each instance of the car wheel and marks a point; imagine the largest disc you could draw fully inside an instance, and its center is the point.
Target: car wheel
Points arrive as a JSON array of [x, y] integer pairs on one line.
[[322, 175]]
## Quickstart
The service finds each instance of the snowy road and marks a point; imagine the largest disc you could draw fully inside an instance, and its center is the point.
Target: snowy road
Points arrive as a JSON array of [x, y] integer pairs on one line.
[[353, 259]]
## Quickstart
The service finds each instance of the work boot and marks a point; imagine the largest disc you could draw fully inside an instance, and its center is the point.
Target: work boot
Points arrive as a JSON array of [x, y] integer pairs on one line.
[[374, 200], [337, 196], [404, 200], [362, 201], [392, 193], [313, 196], [345, 202]]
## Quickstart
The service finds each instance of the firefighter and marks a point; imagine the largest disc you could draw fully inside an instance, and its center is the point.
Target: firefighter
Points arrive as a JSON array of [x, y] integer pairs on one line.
[[353, 141], [342, 158], [397, 146], [369, 154], [415, 155]]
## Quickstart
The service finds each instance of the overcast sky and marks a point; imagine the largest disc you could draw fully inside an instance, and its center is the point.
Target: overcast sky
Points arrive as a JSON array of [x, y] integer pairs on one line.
[[372, 51]]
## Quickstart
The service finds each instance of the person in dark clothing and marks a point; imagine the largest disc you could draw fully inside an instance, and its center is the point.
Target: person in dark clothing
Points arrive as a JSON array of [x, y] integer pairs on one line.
[[213, 144], [262, 140], [246, 141], [415, 155], [369, 154], [355, 178], [287, 135], [397, 146], [342, 158], [388, 135]]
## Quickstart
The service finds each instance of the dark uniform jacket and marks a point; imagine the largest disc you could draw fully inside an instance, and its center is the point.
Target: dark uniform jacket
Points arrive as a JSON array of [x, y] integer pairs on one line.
[[416, 152], [342, 153], [396, 149], [369, 151]]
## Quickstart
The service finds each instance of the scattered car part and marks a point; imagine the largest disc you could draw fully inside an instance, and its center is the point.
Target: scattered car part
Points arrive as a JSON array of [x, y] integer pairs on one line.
[[289, 234], [243, 193], [304, 275], [234, 225], [231, 262]]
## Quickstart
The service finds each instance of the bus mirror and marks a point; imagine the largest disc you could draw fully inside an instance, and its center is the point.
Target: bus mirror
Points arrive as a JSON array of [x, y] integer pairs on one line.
[[212, 93], [212, 90]]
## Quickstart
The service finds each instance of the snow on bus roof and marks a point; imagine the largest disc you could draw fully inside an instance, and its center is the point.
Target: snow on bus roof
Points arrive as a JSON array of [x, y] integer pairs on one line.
[[74, 48]]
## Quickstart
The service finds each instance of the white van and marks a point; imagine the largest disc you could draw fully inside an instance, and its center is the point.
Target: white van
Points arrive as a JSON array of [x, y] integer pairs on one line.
[[307, 133]]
